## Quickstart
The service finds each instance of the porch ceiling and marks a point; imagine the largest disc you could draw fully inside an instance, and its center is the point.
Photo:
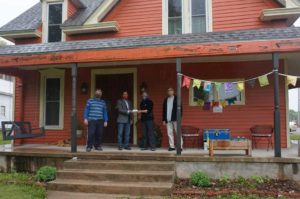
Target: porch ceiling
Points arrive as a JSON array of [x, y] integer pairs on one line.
[[260, 41]]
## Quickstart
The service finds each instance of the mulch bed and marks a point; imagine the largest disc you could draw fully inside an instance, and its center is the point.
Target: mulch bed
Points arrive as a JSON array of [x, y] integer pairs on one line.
[[271, 188]]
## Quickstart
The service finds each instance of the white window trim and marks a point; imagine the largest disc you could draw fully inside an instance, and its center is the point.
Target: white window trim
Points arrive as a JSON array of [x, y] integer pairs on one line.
[[243, 93], [45, 11], [52, 73], [186, 16]]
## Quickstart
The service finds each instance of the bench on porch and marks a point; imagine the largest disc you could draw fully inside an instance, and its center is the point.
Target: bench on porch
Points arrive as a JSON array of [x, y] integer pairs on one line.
[[230, 145], [12, 130]]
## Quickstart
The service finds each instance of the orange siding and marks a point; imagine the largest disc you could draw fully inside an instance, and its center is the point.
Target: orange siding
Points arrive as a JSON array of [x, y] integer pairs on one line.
[[258, 108], [238, 15], [71, 8]]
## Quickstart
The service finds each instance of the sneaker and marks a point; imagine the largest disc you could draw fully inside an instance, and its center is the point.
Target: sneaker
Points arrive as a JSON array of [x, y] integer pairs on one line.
[[88, 149], [98, 148], [171, 149], [153, 149], [120, 148], [144, 149], [127, 148]]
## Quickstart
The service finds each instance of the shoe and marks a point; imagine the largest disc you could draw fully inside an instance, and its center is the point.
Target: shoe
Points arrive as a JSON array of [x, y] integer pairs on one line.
[[98, 148], [120, 148], [144, 149], [171, 149], [153, 149], [127, 148], [88, 149]]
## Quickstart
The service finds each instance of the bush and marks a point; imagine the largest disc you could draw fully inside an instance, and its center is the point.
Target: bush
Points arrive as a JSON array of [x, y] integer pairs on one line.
[[46, 174], [200, 179]]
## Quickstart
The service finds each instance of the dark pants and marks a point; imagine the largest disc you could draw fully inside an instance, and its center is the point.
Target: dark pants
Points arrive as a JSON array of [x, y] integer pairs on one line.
[[148, 133], [121, 128], [95, 133]]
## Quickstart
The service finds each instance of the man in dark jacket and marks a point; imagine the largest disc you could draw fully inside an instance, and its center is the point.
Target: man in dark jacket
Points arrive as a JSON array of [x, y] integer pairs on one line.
[[170, 117], [146, 108]]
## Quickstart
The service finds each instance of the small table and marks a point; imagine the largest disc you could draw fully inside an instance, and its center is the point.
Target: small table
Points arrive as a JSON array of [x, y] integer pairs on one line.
[[230, 145]]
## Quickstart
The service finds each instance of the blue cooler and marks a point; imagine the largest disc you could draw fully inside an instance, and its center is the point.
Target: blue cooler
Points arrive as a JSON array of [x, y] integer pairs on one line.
[[216, 134]]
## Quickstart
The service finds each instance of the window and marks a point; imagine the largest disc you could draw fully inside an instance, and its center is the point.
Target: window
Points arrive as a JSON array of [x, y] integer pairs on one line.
[[196, 94], [186, 16], [175, 17], [2, 111], [198, 16], [52, 99], [54, 22]]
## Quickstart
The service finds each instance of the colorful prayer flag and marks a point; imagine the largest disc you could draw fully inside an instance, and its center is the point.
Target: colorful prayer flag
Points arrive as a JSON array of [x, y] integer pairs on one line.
[[291, 80], [231, 101], [206, 106], [251, 83], [200, 102], [218, 86], [263, 80], [228, 87], [207, 86], [223, 103], [196, 83], [186, 82], [241, 86]]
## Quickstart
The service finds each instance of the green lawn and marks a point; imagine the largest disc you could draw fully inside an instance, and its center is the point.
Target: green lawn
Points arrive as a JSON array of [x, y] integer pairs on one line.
[[20, 186], [295, 136], [3, 142]]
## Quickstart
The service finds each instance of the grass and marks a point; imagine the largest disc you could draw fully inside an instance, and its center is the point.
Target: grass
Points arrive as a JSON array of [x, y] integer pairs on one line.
[[2, 141], [20, 186], [295, 136]]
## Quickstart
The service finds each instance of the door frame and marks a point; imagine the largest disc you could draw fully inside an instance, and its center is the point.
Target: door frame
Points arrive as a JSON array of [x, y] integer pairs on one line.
[[116, 71]]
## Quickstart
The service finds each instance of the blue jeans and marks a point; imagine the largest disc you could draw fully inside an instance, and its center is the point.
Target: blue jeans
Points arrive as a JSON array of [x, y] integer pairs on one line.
[[95, 133], [121, 128]]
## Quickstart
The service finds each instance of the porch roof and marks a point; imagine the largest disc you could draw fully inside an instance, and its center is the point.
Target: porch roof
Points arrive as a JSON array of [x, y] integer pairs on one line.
[[154, 47]]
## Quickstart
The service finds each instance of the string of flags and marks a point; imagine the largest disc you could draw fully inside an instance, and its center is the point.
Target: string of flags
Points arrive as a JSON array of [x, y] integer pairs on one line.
[[219, 94]]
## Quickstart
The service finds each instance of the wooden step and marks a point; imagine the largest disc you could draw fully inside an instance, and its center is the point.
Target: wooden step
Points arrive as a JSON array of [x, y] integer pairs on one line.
[[117, 175], [120, 165], [108, 187]]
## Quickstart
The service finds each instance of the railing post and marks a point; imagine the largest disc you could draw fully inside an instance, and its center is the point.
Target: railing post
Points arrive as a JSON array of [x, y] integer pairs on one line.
[[179, 81], [74, 110], [277, 137]]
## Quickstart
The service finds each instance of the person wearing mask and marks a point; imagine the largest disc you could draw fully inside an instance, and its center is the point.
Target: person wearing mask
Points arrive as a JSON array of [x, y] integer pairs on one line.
[[170, 117], [124, 121], [96, 118], [146, 110]]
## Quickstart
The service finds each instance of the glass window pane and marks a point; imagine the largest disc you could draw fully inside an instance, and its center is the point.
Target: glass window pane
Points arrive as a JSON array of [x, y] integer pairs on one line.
[[198, 7], [55, 13], [175, 8], [175, 26], [52, 89], [198, 24], [52, 113], [54, 33]]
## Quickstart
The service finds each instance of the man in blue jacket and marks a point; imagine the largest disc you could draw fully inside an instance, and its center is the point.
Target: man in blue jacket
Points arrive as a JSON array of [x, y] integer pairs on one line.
[[95, 117]]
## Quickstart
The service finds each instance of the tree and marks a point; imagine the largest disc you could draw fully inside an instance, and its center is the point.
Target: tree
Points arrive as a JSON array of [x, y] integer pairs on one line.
[[293, 115]]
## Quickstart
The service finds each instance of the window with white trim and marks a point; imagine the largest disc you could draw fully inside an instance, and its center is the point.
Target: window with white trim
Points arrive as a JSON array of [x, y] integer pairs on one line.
[[2, 111], [52, 99], [54, 22], [186, 16]]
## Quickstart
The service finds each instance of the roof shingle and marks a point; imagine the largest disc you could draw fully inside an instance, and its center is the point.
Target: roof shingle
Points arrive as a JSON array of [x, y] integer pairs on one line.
[[159, 40]]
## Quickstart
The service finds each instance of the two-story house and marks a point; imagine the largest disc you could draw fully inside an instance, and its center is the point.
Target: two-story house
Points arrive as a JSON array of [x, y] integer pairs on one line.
[[67, 48]]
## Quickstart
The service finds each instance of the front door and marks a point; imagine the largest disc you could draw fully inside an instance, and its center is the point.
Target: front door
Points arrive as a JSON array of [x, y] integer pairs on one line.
[[112, 86]]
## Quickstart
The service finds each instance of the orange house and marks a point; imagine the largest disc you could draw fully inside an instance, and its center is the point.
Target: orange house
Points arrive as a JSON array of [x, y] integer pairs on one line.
[[67, 48]]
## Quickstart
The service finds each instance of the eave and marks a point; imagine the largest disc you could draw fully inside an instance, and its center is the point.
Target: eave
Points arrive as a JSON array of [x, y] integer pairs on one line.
[[11, 36], [152, 53], [111, 26], [290, 14]]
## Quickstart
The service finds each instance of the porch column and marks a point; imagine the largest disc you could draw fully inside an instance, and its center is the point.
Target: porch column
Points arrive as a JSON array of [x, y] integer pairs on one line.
[[74, 111], [179, 81], [277, 137]]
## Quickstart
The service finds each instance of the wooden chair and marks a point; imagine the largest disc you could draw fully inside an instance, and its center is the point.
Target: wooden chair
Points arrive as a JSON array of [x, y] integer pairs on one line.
[[190, 133], [20, 130], [262, 132]]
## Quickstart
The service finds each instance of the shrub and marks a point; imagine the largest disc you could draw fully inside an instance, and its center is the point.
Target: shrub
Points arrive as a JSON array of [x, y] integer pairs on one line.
[[258, 179], [200, 179], [224, 180], [46, 174]]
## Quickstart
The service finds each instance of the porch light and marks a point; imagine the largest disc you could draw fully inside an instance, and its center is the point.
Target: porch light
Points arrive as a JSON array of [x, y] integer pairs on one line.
[[84, 88]]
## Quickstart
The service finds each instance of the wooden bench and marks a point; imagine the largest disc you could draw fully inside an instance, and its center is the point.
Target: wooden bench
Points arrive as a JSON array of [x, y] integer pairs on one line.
[[12, 130], [230, 145]]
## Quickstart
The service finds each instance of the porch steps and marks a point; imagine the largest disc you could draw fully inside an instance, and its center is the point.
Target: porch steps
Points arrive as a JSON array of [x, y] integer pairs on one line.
[[130, 177]]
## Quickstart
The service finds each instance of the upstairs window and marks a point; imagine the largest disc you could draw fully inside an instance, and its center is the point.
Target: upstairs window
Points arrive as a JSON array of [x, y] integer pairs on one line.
[[175, 17], [54, 22], [186, 16]]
